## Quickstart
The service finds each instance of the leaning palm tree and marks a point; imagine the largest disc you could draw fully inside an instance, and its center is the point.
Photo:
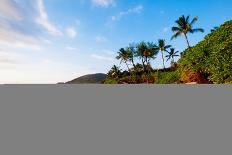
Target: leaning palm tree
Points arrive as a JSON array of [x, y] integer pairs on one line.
[[124, 56], [184, 27], [172, 54], [163, 48]]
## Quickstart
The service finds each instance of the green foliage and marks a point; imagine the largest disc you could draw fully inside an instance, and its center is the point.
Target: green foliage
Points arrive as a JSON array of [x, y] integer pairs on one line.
[[111, 81], [167, 77], [212, 56]]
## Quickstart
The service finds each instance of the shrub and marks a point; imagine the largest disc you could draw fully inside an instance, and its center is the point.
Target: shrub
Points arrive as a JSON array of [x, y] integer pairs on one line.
[[167, 77]]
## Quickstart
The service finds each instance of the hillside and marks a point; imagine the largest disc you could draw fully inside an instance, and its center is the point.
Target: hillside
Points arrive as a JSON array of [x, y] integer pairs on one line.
[[89, 79], [210, 59]]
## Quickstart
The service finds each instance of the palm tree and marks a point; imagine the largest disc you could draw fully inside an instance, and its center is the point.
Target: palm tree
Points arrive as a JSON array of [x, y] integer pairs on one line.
[[141, 47], [171, 55], [131, 53], [114, 72], [146, 52], [185, 27], [124, 56], [163, 48]]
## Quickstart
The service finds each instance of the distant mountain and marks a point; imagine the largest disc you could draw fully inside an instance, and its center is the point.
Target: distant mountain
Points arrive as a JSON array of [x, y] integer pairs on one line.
[[89, 79]]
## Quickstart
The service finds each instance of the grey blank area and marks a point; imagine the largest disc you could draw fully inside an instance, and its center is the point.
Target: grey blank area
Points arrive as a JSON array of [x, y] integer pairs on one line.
[[115, 120]]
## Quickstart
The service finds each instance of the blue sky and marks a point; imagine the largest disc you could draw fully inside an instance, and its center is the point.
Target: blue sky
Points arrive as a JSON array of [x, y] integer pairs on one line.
[[50, 41]]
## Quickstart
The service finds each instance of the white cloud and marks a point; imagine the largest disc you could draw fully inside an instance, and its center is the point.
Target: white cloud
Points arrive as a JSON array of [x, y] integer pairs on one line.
[[43, 20], [11, 37], [9, 10], [9, 57], [23, 22], [137, 10], [71, 32], [101, 39], [71, 48], [101, 57], [103, 3]]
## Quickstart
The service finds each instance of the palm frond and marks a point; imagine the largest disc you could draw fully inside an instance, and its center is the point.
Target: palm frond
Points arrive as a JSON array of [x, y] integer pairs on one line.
[[195, 19], [175, 29], [168, 46], [176, 35], [168, 59], [198, 30]]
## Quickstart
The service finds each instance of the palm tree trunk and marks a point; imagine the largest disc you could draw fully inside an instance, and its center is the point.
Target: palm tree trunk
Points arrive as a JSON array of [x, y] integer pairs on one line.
[[143, 63], [135, 69], [127, 66], [186, 37], [163, 59]]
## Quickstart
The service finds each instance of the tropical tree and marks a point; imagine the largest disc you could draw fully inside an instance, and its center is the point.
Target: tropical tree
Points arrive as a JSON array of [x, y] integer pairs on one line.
[[114, 72], [184, 27], [163, 48], [146, 52], [131, 50], [124, 56], [171, 55]]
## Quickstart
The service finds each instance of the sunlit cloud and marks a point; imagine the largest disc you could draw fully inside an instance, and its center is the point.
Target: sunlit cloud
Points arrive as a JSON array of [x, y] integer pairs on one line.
[[9, 10], [137, 10], [43, 20], [103, 3], [71, 32]]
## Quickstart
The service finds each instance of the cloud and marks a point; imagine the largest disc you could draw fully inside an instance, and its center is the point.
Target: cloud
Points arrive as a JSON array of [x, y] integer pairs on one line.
[[9, 10], [17, 39], [135, 10], [101, 39], [22, 23], [71, 48], [103, 3], [101, 57], [71, 32], [43, 20], [9, 58]]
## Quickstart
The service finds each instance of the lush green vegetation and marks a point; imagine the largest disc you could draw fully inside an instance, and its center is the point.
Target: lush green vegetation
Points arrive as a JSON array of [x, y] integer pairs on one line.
[[210, 61], [211, 57]]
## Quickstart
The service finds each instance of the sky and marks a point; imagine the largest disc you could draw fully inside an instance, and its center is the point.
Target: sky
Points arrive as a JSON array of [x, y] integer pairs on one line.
[[51, 41]]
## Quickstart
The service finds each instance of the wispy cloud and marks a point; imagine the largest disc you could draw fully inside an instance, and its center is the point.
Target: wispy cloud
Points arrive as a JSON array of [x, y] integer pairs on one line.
[[22, 23], [43, 20], [135, 10], [102, 57], [71, 32], [103, 3], [71, 48], [100, 39], [9, 10]]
